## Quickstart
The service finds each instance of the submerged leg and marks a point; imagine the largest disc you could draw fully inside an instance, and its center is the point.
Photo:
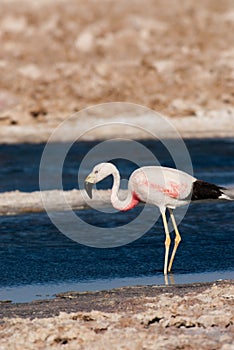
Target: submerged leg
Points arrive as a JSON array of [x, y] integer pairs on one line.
[[177, 239], [167, 242]]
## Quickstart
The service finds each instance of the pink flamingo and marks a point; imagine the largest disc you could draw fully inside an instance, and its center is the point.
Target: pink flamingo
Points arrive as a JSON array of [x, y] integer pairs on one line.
[[164, 187]]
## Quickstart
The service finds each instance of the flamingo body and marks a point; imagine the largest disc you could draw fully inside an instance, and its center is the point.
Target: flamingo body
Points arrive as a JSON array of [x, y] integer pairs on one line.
[[161, 186]]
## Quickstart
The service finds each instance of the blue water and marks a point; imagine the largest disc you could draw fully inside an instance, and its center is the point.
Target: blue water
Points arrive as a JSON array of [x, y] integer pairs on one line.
[[33, 252]]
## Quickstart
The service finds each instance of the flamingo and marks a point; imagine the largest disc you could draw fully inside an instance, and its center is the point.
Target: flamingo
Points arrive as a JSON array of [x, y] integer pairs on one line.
[[167, 188]]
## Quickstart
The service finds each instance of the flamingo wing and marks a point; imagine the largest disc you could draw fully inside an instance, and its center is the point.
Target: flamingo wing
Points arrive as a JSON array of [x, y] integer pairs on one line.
[[163, 181]]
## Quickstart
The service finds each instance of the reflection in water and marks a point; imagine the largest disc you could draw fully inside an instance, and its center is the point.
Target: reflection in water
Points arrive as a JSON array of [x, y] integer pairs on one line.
[[169, 279]]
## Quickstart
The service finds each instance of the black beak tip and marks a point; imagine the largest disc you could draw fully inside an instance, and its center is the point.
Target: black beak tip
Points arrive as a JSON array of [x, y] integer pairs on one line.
[[88, 188]]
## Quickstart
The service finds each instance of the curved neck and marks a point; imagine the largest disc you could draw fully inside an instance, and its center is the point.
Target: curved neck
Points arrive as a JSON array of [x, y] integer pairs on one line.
[[129, 202]]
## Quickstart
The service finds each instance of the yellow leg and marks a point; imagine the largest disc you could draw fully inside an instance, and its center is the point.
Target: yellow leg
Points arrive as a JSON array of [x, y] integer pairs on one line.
[[167, 242], [177, 239]]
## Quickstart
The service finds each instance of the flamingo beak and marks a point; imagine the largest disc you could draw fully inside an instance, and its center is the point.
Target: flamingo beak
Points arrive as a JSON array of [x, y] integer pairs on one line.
[[89, 182]]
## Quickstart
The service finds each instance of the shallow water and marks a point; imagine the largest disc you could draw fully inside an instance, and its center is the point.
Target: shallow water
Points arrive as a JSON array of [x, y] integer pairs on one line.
[[37, 258]]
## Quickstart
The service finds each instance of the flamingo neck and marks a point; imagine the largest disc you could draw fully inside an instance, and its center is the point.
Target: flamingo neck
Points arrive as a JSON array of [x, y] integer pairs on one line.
[[129, 202]]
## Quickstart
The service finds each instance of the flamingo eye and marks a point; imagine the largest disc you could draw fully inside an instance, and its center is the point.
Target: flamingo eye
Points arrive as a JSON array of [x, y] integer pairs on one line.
[[96, 171]]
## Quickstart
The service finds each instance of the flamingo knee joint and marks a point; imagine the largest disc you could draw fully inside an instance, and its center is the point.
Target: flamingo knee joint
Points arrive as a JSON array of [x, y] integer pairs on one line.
[[167, 241]]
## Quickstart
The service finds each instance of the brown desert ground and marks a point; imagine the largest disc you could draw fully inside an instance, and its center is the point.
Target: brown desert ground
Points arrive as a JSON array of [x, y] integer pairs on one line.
[[58, 57]]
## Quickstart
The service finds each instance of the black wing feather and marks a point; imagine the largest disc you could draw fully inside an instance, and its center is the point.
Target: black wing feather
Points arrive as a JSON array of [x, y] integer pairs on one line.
[[205, 190]]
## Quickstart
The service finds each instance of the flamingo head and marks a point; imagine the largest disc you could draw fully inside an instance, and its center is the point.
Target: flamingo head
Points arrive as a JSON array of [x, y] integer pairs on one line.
[[99, 172]]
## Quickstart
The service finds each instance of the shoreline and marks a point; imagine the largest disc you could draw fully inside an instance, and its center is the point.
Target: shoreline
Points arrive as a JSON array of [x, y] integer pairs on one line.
[[196, 316], [72, 301]]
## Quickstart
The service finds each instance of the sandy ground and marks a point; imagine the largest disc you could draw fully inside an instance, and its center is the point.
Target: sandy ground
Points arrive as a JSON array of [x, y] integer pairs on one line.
[[57, 57], [198, 316]]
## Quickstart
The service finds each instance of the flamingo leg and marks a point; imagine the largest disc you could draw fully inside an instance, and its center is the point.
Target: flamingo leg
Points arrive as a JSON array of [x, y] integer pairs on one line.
[[177, 239], [167, 242]]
